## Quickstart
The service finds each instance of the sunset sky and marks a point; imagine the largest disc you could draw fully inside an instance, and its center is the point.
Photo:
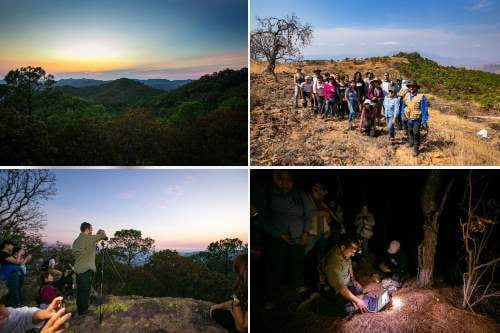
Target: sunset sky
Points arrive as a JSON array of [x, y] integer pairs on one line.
[[180, 209], [454, 32], [109, 39]]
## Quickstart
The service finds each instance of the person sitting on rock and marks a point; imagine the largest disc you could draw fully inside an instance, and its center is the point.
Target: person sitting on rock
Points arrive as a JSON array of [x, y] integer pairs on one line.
[[306, 89], [394, 263], [47, 291], [20, 320], [338, 287], [233, 314], [415, 110]]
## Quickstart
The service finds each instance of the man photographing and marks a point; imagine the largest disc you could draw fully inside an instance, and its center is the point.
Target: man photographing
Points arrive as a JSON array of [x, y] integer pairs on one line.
[[84, 248]]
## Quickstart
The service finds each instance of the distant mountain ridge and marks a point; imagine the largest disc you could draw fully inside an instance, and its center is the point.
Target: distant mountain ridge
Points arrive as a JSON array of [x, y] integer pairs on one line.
[[115, 93], [162, 84]]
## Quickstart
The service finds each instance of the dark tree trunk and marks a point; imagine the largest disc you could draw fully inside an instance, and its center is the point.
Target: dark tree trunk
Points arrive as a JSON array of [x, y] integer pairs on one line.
[[431, 210]]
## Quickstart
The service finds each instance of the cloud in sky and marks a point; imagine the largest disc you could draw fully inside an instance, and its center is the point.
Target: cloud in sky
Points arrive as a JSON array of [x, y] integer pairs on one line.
[[125, 195], [467, 42], [481, 4]]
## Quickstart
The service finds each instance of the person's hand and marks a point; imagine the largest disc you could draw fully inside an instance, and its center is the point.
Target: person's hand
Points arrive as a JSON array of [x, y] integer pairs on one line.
[[55, 305], [285, 238], [361, 305], [394, 121], [384, 268], [57, 323], [357, 285], [303, 239]]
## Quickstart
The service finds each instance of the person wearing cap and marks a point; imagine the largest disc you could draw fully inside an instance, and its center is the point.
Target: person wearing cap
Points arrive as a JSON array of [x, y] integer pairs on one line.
[[306, 89], [394, 263], [391, 111], [298, 78], [401, 95], [416, 112]]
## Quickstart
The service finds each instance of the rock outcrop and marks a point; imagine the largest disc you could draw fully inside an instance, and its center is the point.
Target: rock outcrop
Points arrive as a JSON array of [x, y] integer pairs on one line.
[[142, 314]]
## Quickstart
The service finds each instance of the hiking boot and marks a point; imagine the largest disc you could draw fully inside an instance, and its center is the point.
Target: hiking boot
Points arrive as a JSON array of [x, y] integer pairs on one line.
[[415, 151]]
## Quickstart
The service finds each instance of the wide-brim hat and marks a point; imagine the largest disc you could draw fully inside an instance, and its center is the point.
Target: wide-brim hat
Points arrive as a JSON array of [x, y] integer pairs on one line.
[[413, 84]]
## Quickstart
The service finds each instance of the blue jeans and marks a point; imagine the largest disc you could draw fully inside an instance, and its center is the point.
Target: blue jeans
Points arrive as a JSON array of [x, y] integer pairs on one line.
[[14, 284], [330, 105], [390, 126], [320, 102], [353, 106]]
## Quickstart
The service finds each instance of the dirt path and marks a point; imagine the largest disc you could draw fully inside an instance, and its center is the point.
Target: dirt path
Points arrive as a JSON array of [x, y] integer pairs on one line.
[[284, 135]]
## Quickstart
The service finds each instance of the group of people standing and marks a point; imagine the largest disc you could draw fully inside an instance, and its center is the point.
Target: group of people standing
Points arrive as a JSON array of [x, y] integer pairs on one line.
[[301, 233], [404, 108]]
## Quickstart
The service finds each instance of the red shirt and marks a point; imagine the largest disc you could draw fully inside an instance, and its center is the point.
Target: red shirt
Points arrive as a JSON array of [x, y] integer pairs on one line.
[[329, 90], [47, 294]]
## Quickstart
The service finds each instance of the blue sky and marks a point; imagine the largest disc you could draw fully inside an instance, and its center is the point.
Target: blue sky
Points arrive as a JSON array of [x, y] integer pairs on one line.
[[107, 39], [450, 31], [180, 209]]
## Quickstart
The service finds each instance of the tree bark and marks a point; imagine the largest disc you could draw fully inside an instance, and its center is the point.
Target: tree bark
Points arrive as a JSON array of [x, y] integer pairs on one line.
[[431, 211]]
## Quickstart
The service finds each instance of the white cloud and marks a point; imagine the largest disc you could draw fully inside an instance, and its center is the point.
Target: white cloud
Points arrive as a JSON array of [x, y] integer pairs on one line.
[[438, 42], [481, 4], [387, 43]]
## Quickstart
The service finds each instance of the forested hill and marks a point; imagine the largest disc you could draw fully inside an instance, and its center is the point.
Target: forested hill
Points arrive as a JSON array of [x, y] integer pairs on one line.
[[117, 93], [123, 122], [215, 90]]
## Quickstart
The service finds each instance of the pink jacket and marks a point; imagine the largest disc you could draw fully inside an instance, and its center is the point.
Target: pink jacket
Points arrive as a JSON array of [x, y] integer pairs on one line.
[[329, 90]]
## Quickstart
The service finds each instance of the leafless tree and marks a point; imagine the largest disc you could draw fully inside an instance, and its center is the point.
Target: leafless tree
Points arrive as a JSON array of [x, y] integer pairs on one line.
[[477, 228], [279, 40], [21, 195]]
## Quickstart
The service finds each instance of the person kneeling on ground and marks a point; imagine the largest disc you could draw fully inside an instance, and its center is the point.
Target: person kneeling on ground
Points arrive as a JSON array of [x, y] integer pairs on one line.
[[368, 118], [394, 263], [338, 288], [233, 314], [20, 320]]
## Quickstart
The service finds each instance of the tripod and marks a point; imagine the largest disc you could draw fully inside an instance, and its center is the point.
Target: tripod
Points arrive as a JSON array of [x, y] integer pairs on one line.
[[103, 251]]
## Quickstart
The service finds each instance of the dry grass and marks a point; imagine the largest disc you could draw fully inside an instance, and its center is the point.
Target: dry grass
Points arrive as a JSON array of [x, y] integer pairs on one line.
[[284, 135], [421, 310]]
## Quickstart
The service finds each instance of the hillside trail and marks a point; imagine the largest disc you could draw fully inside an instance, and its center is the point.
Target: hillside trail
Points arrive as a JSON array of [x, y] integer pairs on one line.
[[284, 135]]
